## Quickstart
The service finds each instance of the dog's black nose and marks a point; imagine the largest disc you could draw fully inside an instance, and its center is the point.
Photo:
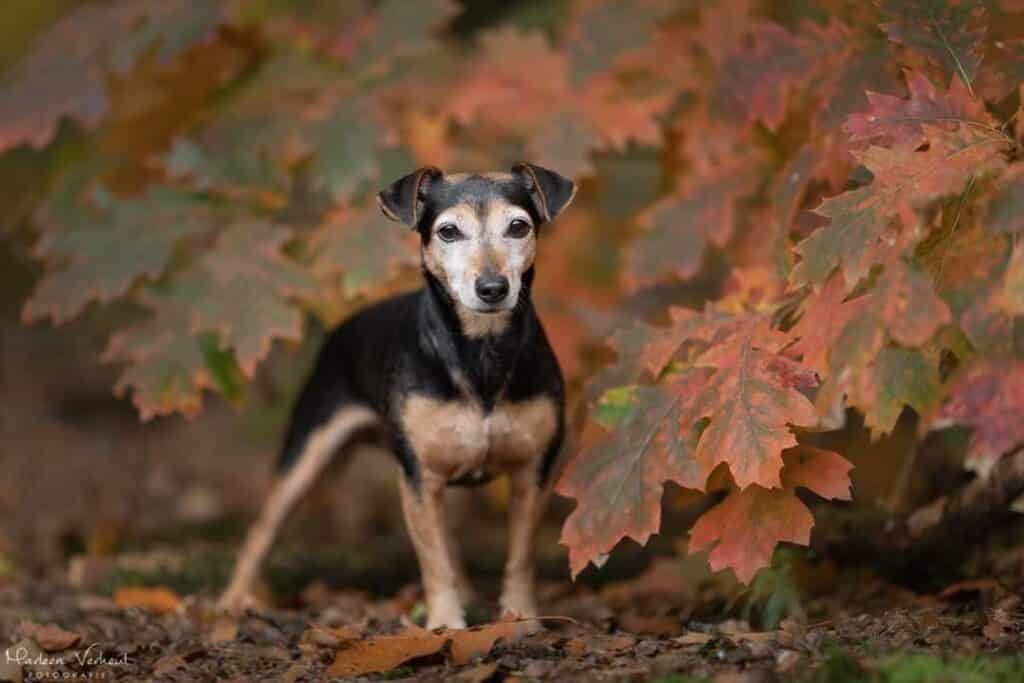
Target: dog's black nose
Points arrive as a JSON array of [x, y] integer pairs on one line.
[[492, 288]]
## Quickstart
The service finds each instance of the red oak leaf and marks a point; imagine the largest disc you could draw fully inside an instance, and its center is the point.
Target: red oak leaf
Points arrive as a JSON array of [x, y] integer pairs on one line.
[[990, 400], [899, 122]]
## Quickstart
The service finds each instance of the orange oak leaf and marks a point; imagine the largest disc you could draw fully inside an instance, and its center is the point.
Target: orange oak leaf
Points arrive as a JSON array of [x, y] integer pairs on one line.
[[845, 342], [902, 178], [677, 230], [514, 83], [742, 531], [823, 317], [824, 472], [750, 402]]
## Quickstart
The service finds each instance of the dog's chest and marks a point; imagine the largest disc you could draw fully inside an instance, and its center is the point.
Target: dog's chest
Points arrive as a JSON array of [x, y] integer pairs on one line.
[[458, 438]]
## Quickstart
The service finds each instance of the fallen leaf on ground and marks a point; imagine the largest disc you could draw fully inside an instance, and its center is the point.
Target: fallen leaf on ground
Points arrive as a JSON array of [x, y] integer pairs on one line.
[[169, 663], [1000, 625], [694, 638], [377, 655], [599, 642], [50, 637], [156, 599], [478, 674], [986, 588], [470, 642], [224, 630], [327, 636]]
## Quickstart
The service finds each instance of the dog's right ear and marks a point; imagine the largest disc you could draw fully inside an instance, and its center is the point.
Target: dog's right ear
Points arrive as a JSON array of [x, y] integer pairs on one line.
[[401, 200]]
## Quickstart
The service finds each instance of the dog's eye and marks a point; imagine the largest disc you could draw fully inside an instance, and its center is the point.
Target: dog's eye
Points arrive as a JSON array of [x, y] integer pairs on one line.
[[518, 228], [448, 232]]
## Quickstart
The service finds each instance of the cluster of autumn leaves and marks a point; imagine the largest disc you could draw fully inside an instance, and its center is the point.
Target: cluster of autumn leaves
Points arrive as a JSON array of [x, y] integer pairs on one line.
[[846, 177]]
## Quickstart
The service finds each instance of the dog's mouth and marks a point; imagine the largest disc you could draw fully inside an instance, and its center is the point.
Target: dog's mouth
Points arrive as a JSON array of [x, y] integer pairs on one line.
[[491, 309]]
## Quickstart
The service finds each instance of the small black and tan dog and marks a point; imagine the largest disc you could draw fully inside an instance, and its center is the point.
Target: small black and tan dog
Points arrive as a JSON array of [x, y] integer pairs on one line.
[[457, 379]]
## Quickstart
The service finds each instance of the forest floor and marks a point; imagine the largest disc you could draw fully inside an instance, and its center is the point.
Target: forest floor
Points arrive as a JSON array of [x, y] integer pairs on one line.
[[646, 628]]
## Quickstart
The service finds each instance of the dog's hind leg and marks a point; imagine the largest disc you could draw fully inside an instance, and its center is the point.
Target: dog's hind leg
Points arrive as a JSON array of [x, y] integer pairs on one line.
[[316, 454]]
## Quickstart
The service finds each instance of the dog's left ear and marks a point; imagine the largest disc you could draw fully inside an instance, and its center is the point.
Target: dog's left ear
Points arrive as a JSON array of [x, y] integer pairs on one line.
[[401, 200], [551, 192]]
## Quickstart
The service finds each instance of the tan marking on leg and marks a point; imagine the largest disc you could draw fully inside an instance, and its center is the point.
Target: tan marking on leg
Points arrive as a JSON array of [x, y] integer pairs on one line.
[[425, 520], [527, 501], [457, 506], [316, 456]]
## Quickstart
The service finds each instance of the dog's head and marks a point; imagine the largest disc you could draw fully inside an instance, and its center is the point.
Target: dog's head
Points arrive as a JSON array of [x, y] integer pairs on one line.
[[478, 233]]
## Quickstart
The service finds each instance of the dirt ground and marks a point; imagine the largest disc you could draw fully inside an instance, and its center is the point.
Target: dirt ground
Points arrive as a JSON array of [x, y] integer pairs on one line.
[[615, 634]]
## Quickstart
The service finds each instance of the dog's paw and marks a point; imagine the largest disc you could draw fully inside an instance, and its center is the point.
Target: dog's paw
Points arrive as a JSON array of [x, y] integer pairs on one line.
[[448, 614], [518, 603], [235, 603]]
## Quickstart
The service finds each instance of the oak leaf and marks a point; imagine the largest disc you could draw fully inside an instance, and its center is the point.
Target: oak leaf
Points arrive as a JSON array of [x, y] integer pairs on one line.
[[902, 178], [821, 471], [988, 398], [167, 367], [355, 246], [742, 531], [678, 230], [948, 33], [106, 251], [247, 151], [750, 402], [900, 122], [64, 74], [593, 49], [756, 81], [618, 482], [251, 285], [1004, 212]]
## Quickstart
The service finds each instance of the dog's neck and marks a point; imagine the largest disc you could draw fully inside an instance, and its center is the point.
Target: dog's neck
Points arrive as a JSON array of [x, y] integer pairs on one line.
[[481, 351]]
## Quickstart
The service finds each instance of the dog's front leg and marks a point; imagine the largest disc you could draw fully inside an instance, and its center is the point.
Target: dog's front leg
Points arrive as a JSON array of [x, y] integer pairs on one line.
[[425, 520], [527, 500], [456, 506]]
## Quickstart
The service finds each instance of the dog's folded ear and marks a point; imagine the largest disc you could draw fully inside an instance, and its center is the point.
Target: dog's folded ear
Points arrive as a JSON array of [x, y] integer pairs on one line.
[[401, 200], [551, 192]]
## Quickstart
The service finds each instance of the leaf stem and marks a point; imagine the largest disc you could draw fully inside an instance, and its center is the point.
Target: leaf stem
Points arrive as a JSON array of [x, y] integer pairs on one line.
[[952, 53], [952, 230]]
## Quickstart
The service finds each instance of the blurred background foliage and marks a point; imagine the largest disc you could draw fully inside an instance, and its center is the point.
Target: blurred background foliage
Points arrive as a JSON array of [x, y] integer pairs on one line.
[[189, 183]]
